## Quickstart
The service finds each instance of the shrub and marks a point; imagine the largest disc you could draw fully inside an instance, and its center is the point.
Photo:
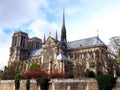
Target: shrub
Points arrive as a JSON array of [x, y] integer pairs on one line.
[[34, 73], [89, 74], [106, 82], [34, 65], [58, 75], [27, 84], [17, 84], [43, 83], [18, 76]]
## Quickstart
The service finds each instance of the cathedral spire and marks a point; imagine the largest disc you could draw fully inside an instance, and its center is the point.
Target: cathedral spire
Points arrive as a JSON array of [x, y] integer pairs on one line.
[[63, 31], [63, 18], [44, 39], [56, 36]]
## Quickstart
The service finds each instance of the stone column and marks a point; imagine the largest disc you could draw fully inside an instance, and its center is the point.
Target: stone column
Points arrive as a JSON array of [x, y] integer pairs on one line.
[[19, 41], [12, 41], [86, 86], [50, 66], [68, 87], [114, 71], [63, 67], [53, 86]]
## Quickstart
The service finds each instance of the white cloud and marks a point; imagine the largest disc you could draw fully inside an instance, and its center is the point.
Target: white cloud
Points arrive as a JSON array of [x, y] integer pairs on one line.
[[4, 57], [4, 48], [4, 38], [41, 27], [107, 22], [15, 12]]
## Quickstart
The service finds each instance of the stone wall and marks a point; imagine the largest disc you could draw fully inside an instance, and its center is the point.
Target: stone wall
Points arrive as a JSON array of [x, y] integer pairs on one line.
[[73, 84], [57, 84], [9, 85]]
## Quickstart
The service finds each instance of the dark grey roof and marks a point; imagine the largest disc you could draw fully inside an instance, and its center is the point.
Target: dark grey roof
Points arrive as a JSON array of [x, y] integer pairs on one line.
[[93, 41]]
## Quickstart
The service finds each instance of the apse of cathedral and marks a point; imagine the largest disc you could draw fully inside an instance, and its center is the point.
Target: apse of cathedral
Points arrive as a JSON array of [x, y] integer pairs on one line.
[[59, 55]]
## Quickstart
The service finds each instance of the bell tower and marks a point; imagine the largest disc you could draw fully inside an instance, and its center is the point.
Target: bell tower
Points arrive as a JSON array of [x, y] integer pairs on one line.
[[19, 47]]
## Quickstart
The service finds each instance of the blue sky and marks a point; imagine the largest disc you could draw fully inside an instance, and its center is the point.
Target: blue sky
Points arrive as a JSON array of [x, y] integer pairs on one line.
[[38, 17]]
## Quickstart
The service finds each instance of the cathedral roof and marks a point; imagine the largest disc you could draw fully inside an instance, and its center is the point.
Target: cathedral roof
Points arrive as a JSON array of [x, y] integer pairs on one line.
[[35, 52], [61, 57], [93, 41]]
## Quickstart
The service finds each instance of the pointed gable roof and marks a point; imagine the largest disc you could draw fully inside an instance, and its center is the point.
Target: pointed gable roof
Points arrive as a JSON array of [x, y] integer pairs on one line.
[[50, 38], [88, 42], [49, 42]]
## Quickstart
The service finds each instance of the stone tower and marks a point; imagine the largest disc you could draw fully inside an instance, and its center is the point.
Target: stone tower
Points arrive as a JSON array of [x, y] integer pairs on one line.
[[19, 47], [34, 43], [63, 31]]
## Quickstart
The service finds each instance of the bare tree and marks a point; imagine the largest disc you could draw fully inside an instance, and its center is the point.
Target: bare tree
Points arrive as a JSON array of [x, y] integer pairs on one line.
[[114, 53], [11, 70], [114, 45]]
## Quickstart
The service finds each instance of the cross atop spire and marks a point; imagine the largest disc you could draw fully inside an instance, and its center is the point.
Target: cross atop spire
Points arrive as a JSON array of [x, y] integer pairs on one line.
[[49, 33], [97, 33]]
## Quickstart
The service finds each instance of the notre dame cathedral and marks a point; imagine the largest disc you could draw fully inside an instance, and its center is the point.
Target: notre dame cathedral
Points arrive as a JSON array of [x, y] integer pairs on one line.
[[73, 57]]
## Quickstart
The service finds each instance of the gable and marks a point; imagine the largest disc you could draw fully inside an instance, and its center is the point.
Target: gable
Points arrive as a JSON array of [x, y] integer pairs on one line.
[[50, 42]]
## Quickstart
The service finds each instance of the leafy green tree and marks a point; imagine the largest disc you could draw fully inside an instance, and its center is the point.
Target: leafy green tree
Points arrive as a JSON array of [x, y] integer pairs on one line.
[[106, 82], [43, 83], [34, 65], [17, 84], [89, 73], [18, 76], [28, 84]]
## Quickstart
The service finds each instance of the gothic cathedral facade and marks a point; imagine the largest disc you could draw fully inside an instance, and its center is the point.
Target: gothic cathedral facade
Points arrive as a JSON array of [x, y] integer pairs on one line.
[[73, 57]]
